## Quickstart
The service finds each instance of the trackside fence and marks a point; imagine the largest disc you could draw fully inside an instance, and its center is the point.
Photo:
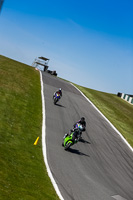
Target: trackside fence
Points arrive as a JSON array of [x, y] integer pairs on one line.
[[126, 97]]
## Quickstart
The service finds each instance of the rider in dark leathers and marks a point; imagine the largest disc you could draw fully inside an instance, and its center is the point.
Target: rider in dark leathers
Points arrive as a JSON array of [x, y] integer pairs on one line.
[[82, 122], [76, 134]]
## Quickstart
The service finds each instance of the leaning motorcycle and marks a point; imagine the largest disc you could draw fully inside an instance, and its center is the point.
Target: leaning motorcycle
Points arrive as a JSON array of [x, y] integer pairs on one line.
[[56, 98], [68, 139]]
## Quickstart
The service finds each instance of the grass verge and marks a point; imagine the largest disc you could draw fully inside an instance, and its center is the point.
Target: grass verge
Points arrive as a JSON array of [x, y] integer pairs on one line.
[[116, 110], [22, 169]]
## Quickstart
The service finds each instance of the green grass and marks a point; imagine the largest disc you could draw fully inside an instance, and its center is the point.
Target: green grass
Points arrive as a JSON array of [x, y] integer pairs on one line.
[[117, 111], [23, 175]]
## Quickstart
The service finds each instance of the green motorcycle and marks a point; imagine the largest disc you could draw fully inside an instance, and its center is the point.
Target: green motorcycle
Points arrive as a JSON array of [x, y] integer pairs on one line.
[[69, 140]]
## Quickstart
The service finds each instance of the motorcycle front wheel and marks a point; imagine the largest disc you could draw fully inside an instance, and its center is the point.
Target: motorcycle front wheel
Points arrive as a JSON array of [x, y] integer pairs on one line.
[[67, 146], [63, 143], [55, 100]]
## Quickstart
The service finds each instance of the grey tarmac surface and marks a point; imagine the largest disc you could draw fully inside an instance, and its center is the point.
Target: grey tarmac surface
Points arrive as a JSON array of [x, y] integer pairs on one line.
[[100, 167]]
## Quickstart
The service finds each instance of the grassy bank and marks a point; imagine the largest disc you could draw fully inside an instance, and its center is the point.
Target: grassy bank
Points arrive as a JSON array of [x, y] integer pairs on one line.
[[118, 111], [22, 170]]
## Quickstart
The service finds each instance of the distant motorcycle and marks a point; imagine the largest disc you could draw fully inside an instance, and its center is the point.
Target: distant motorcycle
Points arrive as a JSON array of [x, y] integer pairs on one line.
[[69, 140], [56, 98]]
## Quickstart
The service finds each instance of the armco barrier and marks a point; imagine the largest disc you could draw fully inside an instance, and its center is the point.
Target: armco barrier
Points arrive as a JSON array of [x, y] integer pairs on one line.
[[127, 98]]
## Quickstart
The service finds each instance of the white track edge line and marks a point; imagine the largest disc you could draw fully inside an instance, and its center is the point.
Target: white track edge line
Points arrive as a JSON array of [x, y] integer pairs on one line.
[[105, 119], [44, 142]]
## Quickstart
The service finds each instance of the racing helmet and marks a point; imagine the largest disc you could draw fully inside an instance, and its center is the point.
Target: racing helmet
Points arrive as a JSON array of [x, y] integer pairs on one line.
[[82, 119], [60, 89]]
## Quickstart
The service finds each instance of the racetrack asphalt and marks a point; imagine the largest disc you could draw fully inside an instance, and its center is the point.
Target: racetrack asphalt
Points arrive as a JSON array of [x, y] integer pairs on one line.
[[100, 167]]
